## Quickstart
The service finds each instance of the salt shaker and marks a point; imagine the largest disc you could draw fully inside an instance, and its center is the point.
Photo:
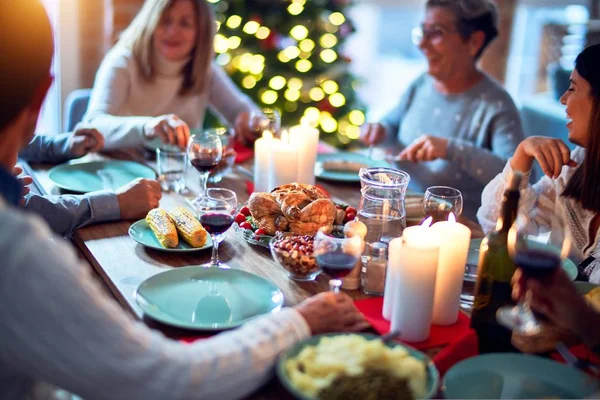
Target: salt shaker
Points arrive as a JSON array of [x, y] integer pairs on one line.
[[373, 272]]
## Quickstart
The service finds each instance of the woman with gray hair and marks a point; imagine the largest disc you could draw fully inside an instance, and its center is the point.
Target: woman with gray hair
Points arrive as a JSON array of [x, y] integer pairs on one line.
[[455, 124]]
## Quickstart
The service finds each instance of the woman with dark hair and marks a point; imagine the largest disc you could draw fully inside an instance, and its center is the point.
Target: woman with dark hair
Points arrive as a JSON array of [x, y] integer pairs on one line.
[[454, 123], [572, 182]]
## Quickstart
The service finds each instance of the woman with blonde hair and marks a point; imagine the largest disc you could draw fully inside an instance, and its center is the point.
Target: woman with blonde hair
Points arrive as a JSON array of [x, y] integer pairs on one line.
[[160, 77]]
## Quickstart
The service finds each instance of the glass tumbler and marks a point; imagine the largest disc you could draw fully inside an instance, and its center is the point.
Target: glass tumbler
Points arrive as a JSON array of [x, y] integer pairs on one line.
[[172, 165]]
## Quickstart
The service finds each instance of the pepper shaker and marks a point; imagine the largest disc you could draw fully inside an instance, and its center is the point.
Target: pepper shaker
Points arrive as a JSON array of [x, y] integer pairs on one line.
[[373, 272]]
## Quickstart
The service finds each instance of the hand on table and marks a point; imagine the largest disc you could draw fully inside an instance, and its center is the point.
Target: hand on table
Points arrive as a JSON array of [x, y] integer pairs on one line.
[[169, 128], [425, 148], [329, 312], [85, 140], [551, 154], [372, 134], [138, 197], [24, 180]]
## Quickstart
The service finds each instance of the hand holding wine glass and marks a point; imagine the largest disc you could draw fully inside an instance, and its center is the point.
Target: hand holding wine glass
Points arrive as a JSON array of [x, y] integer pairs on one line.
[[268, 119], [204, 152], [337, 256], [217, 210], [538, 252], [440, 201]]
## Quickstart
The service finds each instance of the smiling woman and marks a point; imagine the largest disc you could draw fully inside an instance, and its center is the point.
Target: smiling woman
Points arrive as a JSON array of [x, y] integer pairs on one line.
[[572, 182]]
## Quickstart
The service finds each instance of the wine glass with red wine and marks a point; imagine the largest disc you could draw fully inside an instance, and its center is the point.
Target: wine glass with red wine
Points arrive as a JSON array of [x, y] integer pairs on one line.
[[337, 256], [204, 152], [538, 251], [440, 201], [217, 210]]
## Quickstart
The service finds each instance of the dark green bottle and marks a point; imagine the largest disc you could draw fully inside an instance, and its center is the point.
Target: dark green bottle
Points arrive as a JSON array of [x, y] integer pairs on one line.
[[494, 272]]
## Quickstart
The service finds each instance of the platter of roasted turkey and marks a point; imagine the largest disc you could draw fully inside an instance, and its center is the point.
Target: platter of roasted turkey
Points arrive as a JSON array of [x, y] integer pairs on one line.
[[294, 208]]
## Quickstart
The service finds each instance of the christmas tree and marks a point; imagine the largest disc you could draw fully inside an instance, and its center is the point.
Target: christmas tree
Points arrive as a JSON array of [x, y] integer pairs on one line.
[[288, 55]]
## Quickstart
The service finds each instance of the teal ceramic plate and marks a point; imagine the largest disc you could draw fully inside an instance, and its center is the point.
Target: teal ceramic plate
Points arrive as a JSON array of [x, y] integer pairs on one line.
[[344, 176], [516, 376], [473, 259], [87, 177], [209, 299], [432, 372], [140, 232]]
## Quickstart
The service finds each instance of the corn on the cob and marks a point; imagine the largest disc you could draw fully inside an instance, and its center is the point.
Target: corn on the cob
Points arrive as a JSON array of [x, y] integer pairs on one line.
[[189, 227], [163, 227]]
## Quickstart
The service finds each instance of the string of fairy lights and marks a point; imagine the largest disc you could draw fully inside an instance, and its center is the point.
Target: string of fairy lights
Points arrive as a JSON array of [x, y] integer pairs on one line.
[[300, 85]]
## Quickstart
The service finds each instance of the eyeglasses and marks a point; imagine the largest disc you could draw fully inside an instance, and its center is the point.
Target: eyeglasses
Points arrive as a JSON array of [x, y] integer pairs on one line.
[[434, 34]]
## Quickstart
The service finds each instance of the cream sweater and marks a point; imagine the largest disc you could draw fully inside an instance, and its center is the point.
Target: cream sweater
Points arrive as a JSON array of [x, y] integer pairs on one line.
[[122, 102]]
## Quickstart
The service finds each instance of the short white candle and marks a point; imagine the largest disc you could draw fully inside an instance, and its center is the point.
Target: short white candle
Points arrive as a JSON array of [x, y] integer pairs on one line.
[[285, 162], [454, 250], [415, 261], [306, 140], [263, 161]]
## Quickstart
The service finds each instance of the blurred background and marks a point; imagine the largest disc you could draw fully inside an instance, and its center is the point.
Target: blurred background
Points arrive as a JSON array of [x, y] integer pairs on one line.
[[363, 46]]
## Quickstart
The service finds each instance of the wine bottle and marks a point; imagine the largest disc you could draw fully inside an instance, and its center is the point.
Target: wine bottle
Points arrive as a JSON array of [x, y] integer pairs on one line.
[[494, 273]]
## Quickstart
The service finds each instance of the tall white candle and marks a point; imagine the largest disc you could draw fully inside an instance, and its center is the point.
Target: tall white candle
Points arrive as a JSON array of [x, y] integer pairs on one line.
[[306, 140], [285, 162], [263, 161], [451, 269], [415, 259]]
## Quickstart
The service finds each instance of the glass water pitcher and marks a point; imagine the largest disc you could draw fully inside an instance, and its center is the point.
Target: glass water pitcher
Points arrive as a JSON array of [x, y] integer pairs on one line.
[[381, 206]]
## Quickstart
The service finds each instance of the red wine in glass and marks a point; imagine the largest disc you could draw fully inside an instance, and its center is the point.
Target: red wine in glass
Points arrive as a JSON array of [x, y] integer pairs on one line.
[[216, 223], [204, 165], [336, 264], [537, 264]]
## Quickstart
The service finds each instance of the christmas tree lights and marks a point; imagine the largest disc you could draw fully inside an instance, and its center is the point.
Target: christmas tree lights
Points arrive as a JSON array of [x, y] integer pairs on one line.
[[288, 54]]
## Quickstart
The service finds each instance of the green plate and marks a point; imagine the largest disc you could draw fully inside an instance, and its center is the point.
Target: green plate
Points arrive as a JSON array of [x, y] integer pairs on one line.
[[84, 177], [432, 372], [140, 232], [473, 259], [207, 298], [343, 176], [516, 376]]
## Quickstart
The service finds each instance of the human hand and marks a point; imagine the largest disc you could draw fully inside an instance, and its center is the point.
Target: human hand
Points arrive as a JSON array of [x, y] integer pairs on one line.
[[329, 312], [169, 128], [242, 128], [24, 180], [556, 297], [85, 140], [138, 197], [550, 153], [372, 134], [425, 148]]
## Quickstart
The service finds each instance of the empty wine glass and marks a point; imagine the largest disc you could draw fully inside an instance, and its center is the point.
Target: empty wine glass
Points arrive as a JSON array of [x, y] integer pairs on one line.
[[337, 256], [204, 152], [538, 252], [216, 211], [440, 201], [267, 119]]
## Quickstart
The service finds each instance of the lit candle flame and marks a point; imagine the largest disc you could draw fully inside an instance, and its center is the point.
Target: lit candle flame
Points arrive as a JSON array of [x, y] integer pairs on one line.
[[451, 217], [427, 222], [267, 135]]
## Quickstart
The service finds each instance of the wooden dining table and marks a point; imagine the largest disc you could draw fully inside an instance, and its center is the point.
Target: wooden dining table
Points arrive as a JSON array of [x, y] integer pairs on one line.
[[121, 264]]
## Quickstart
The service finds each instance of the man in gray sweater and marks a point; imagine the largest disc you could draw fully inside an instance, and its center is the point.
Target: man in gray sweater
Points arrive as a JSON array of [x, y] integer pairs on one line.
[[58, 328]]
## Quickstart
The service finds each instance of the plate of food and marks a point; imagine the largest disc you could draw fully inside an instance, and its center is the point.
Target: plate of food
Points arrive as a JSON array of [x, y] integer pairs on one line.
[[339, 366], [173, 231], [295, 208], [344, 166]]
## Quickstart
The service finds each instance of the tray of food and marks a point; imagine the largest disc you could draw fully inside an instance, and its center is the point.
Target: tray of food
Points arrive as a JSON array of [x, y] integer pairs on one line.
[[299, 209]]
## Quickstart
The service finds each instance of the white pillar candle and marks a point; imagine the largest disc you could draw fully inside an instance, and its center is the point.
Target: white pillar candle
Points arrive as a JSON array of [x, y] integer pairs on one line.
[[415, 262], [263, 161], [306, 140], [285, 162], [451, 269]]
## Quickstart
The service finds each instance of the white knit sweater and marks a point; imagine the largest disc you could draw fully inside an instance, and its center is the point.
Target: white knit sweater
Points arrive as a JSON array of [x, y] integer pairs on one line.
[[122, 102]]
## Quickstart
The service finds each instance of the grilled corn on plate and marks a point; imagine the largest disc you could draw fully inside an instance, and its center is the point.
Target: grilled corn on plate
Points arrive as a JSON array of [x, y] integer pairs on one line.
[[188, 227], [163, 227]]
